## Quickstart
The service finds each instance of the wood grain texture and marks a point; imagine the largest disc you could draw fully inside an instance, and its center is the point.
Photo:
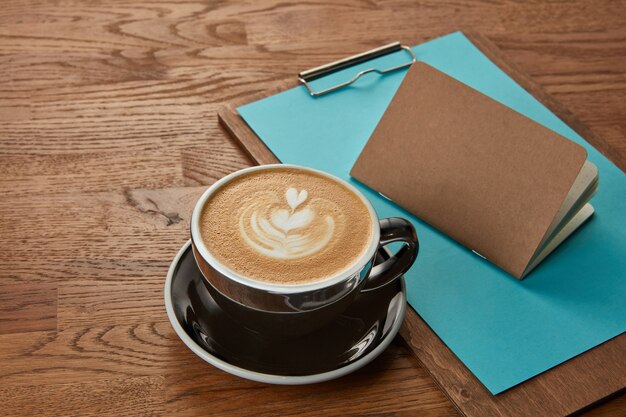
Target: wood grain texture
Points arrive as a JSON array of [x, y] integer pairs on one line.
[[28, 307], [113, 397], [108, 133]]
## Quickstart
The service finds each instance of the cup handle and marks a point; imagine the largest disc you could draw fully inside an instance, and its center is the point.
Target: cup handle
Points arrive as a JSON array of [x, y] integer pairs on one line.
[[393, 229]]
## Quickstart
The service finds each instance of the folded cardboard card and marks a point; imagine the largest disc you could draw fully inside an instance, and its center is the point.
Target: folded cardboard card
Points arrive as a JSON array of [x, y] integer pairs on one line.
[[495, 181]]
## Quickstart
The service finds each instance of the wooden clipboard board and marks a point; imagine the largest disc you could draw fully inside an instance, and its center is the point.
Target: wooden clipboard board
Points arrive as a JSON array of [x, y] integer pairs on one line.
[[568, 388]]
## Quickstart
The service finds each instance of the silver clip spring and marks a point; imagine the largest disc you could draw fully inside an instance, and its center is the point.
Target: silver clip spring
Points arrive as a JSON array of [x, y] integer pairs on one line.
[[311, 74]]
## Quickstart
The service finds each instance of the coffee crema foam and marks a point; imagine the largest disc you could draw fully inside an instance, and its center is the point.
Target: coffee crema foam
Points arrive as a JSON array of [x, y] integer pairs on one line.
[[286, 226]]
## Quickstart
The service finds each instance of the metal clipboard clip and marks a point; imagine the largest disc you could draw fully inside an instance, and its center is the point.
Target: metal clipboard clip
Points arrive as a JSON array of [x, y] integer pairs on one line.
[[311, 74]]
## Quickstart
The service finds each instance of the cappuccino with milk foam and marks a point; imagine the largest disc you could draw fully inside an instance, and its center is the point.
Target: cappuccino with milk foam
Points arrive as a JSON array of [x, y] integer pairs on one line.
[[286, 226]]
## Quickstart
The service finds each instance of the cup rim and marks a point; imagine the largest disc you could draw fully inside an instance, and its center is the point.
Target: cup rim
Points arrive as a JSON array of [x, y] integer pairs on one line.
[[196, 236]]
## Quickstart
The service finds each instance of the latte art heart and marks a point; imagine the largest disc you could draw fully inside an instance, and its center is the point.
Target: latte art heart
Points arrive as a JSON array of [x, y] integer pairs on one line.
[[286, 233]]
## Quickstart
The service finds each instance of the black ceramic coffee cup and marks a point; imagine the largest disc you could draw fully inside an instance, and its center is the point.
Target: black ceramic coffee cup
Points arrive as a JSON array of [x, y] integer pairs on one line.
[[280, 309]]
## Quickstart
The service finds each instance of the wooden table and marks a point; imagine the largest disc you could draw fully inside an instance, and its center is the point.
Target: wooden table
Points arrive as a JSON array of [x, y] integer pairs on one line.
[[108, 134]]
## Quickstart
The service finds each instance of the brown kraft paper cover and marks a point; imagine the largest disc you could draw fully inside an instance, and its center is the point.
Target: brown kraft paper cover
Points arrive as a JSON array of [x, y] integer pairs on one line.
[[478, 171]]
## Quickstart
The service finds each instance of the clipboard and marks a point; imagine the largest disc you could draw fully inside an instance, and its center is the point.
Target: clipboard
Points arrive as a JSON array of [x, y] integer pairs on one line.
[[568, 388]]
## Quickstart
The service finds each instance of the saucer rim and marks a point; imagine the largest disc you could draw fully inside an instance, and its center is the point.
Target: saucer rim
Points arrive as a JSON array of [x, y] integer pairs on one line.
[[264, 377]]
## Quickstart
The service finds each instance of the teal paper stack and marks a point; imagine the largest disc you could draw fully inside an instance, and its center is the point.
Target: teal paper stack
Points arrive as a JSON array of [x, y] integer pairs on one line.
[[505, 331]]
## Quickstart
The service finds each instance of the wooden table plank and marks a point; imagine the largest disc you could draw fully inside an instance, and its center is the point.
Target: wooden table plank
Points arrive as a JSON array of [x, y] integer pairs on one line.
[[138, 396], [107, 105], [27, 307]]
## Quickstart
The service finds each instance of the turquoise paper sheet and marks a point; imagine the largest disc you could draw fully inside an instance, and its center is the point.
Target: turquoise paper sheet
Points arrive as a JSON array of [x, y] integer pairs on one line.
[[505, 331]]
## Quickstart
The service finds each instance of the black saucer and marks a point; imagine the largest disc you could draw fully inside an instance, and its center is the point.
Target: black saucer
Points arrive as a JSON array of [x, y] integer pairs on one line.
[[354, 339]]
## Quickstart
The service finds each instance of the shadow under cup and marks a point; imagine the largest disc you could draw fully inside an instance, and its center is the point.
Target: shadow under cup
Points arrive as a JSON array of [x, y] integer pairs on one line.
[[297, 309]]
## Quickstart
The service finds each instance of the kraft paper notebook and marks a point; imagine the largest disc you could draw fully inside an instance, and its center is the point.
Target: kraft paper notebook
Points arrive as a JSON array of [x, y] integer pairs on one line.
[[504, 330], [497, 182]]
